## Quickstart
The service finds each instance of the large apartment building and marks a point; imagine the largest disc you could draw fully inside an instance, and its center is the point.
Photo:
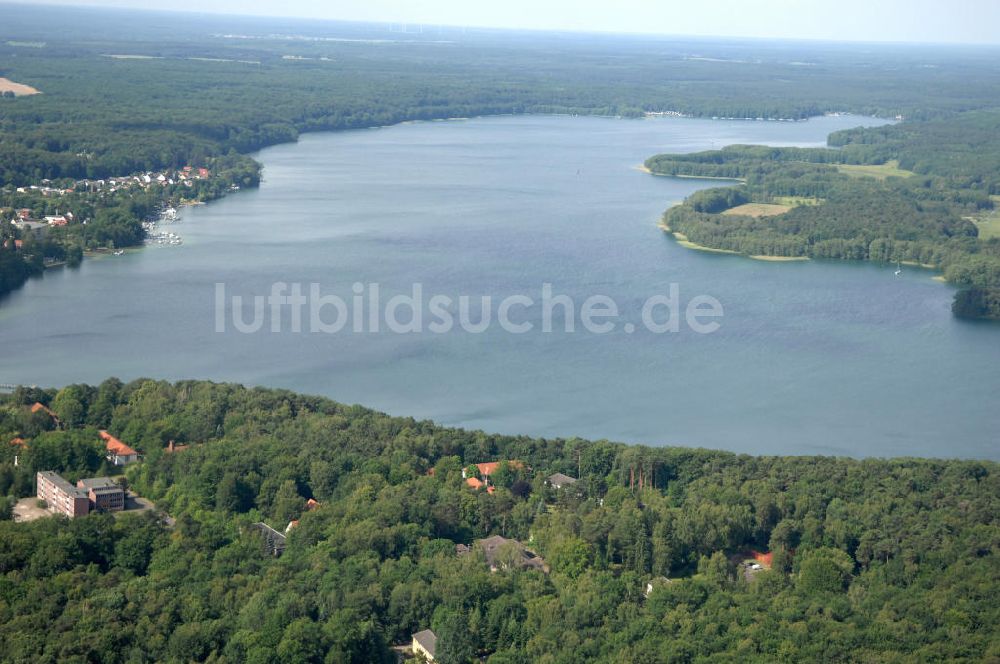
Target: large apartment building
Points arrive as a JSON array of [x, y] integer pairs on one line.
[[61, 496], [101, 494]]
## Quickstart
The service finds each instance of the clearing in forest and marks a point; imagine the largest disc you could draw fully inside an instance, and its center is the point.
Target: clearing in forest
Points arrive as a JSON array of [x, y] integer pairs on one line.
[[889, 169], [759, 209], [19, 89]]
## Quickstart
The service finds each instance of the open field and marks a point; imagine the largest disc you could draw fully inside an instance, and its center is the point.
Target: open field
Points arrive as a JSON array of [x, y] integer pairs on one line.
[[759, 209], [796, 201], [889, 169], [988, 223], [19, 89]]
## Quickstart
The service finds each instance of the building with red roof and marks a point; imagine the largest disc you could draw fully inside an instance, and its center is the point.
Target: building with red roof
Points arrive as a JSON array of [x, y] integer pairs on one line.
[[118, 452], [485, 470], [39, 407]]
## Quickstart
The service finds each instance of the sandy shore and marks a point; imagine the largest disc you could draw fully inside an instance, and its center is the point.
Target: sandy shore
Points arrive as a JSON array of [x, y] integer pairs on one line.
[[642, 167]]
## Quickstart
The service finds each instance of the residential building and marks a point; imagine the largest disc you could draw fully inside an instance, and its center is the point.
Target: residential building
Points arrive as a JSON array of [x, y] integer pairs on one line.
[[485, 470], [558, 480], [496, 550], [105, 494], [38, 407], [425, 644], [60, 496], [36, 228], [118, 452]]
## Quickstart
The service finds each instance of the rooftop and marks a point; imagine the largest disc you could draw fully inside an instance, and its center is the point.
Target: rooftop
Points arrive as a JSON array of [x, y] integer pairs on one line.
[[98, 484], [492, 545], [427, 640], [116, 446], [61, 484], [558, 480]]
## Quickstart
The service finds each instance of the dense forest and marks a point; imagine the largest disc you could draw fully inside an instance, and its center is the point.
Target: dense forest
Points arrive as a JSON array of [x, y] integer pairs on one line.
[[873, 560], [919, 204]]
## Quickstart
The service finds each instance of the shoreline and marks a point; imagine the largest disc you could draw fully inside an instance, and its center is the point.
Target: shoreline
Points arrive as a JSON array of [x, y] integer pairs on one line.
[[643, 168], [682, 240]]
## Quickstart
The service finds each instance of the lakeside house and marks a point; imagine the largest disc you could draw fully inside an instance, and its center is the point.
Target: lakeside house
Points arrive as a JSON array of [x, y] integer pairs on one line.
[[424, 644], [35, 228]]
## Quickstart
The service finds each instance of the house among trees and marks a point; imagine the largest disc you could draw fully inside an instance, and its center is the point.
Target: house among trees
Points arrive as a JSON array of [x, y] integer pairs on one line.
[[118, 452], [558, 480], [653, 584], [502, 553], [39, 407], [484, 470], [424, 644]]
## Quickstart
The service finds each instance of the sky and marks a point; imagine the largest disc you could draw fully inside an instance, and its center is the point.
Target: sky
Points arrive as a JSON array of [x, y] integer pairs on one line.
[[926, 21]]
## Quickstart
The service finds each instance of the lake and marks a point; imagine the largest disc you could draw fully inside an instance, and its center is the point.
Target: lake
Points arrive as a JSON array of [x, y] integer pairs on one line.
[[809, 357]]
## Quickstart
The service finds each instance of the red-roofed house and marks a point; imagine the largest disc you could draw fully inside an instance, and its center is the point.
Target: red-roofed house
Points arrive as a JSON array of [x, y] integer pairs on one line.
[[312, 504], [118, 452], [19, 442], [38, 407], [485, 470]]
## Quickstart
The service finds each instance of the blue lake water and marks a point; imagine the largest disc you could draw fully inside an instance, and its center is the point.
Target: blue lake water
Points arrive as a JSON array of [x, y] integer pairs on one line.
[[810, 358]]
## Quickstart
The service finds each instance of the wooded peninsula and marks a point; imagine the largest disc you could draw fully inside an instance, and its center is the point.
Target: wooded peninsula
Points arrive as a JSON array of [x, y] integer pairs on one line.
[[923, 193]]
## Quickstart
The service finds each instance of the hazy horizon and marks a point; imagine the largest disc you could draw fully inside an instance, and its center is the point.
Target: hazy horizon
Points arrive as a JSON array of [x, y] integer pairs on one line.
[[914, 21]]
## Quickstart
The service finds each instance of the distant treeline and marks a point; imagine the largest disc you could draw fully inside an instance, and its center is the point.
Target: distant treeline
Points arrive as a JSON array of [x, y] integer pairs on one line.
[[195, 94]]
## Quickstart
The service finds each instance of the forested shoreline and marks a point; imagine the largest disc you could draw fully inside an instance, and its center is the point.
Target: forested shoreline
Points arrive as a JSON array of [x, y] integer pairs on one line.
[[930, 182], [873, 560]]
